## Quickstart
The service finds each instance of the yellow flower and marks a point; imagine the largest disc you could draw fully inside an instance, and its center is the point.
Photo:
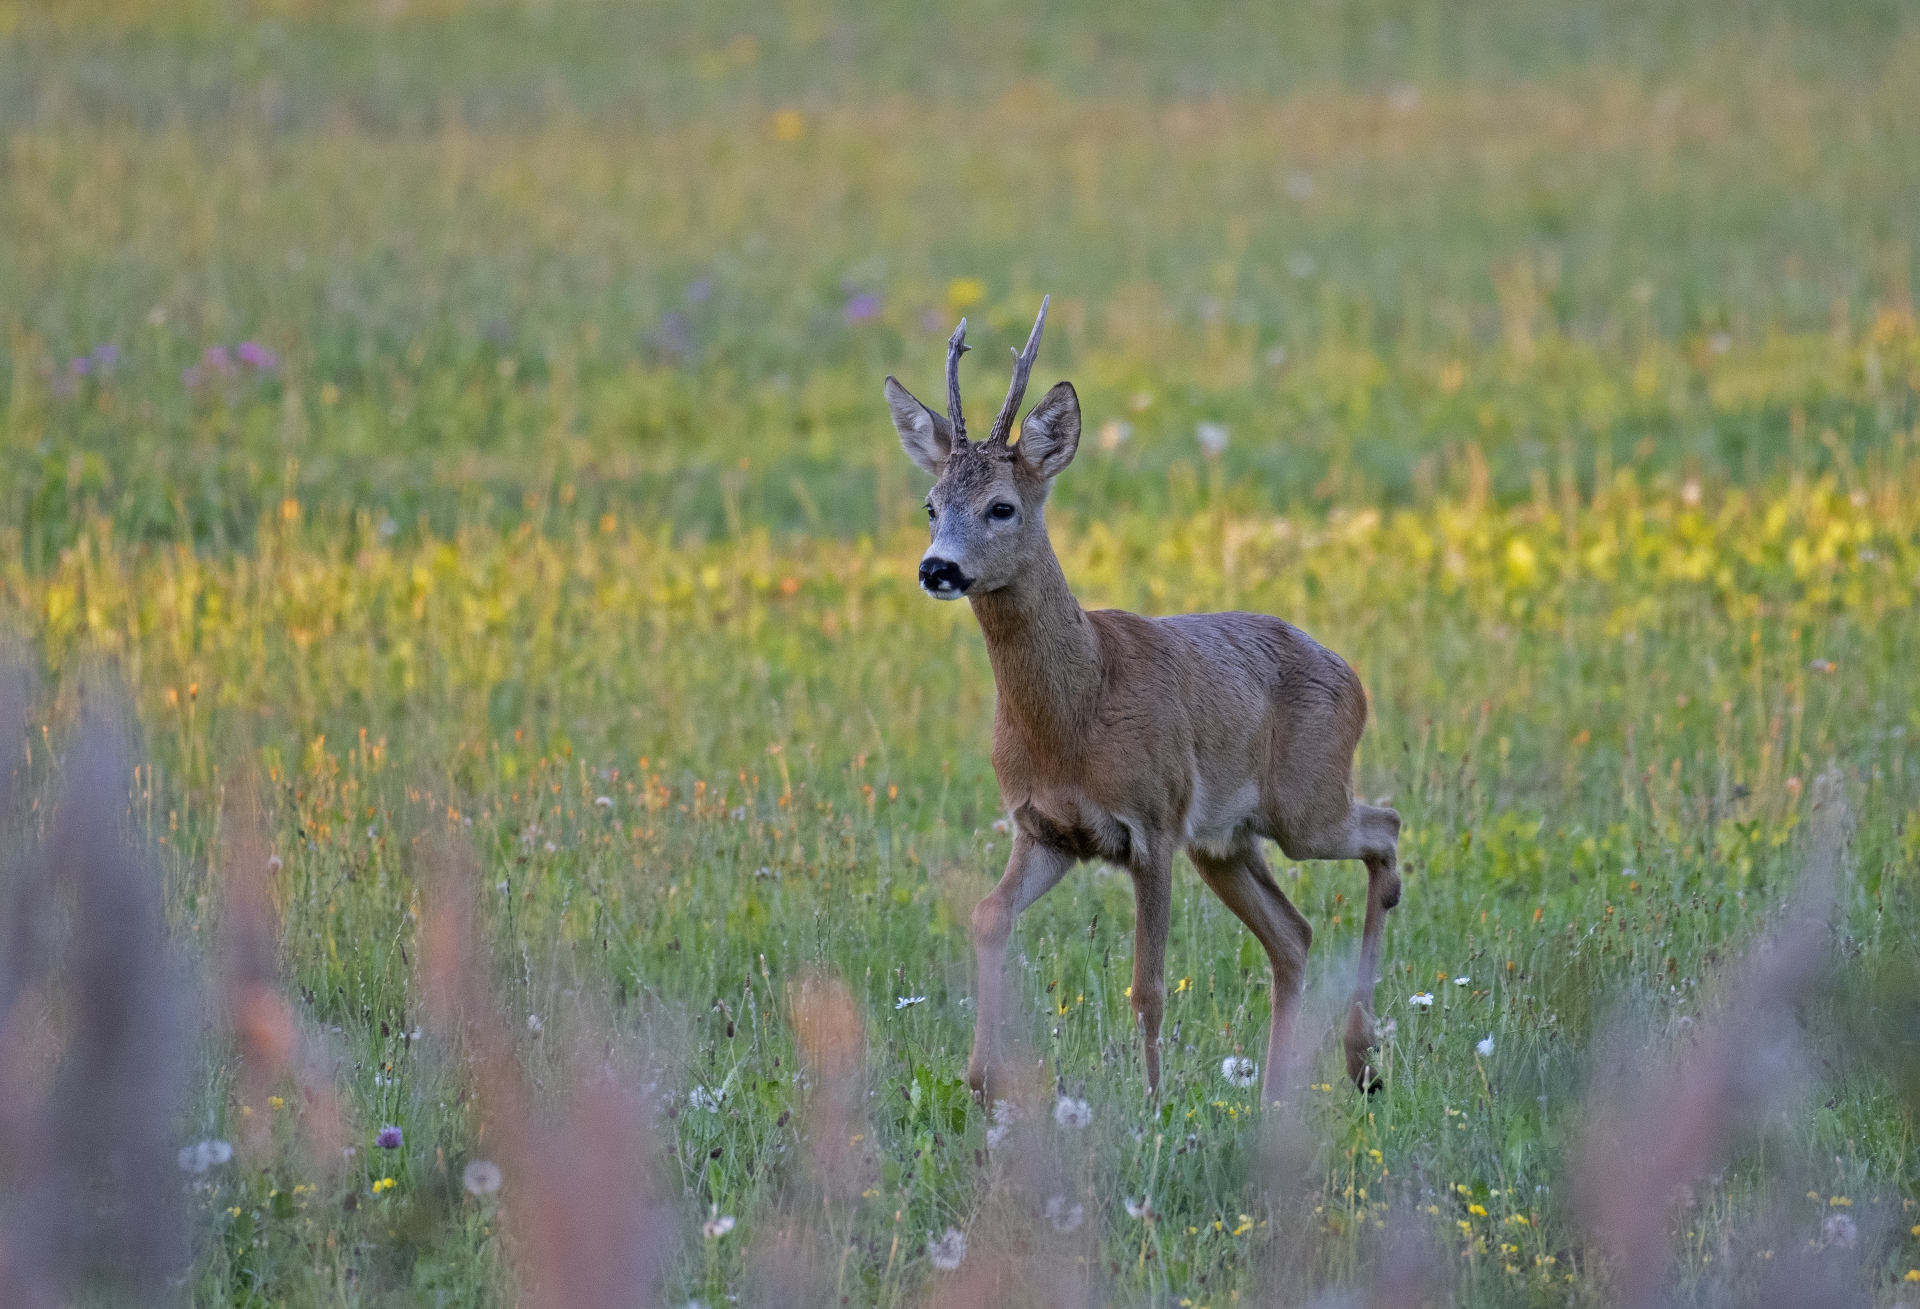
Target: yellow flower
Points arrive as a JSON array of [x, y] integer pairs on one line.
[[1913, 1275], [1477, 1210], [789, 125], [966, 292], [1841, 1201], [384, 1184], [275, 1102]]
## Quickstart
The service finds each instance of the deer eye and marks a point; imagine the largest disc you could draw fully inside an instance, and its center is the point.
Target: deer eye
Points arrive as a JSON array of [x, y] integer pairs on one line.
[[1000, 512], [930, 514]]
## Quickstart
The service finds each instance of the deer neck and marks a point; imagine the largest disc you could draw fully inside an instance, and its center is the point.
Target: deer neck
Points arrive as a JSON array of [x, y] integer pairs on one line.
[[1044, 652]]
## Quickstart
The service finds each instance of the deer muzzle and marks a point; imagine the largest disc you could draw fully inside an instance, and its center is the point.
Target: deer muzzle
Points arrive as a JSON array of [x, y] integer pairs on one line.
[[942, 578]]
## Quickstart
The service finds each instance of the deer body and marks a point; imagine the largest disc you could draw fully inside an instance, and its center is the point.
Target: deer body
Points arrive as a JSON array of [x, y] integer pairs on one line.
[[1126, 739]]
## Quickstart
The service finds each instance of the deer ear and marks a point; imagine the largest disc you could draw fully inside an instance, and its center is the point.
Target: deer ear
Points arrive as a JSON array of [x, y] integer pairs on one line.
[[927, 437], [1051, 433]]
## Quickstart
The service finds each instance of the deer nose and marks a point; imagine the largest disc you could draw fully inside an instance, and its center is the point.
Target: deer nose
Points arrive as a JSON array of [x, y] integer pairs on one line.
[[942, 579]]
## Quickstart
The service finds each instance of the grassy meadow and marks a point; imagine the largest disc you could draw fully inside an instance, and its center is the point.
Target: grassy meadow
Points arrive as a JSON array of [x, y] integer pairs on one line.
[[458, 425]]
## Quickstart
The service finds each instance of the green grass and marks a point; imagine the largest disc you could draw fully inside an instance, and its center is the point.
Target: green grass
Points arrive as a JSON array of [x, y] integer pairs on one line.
[[1572, 398]]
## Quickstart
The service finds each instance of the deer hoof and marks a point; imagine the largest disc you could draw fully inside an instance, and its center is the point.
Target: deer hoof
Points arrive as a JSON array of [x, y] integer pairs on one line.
[[980, 1078], [1359, 1042]]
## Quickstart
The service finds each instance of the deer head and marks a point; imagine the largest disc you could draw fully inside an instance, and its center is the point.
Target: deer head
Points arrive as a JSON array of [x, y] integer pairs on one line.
[[988, 499]]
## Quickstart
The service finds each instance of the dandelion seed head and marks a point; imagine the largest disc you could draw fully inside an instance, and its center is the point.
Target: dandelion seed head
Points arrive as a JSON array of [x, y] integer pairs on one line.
[[947, 1252], [1239, 1070], [202, 1155], [481, 1177], [1485, 1047], [1064, 1215], [1069, 1112], [717, 1226]]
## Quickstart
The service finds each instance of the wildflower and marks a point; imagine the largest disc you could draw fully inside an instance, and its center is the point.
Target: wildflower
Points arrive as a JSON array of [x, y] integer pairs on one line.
[[947, 1252], [1114, 434], [1913, 1275], [552, 848], [481, 1177], [1461, 981], [275, 1102], [604, 801], [699, 290], [1005, 1115], [1839, 1230], [862, 308], [1239, 1070], [534, 1024], [1212, 437], [708, 1098], [738, 814], [389, 1138], [966, 292], [275, 863], [717, 1225], [255, 355], [1069, 1112], [1485, 1047], [908, 1001], [202, 1155], [384, 1184], [1421, 999], [1141, 1209], [1065, 1216]]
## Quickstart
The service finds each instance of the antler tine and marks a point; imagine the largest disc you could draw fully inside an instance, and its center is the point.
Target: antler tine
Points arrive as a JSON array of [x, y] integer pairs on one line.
[[1022, 367], [956, 346]]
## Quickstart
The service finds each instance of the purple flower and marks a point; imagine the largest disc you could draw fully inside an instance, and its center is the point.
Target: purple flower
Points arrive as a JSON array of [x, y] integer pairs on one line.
[[863, 307], [80, 366], [255, 355], [389, 1138], [215, 359], [698, 290], [106, 356]]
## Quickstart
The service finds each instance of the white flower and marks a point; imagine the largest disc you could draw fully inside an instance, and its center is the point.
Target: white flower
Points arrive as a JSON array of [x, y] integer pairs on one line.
[[1461, 981], [995, 1135], [534, 1024], [1485, 1047], [1069, 1112], [202, 1155], [1212, 437], [717, 1225], [481, 1177], [604, 801], [739, 815], [1839, 1230], [1064, 1215], [947, 1252], [1421, 1000], [1005, 1115], [708, 1098], [908, 1001], [1239, 1070], [273, 863], [552, 848], [1141, 1209]]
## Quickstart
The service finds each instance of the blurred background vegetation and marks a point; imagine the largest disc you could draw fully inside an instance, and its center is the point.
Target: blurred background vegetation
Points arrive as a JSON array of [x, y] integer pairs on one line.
[[652, 258]]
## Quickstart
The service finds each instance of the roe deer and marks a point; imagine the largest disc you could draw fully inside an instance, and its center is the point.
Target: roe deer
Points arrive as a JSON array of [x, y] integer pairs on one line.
[[1122, 738]]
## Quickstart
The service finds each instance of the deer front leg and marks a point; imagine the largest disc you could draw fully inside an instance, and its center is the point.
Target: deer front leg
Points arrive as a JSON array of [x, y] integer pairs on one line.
[[1152, 907], [1380, 830], [1032, 871]]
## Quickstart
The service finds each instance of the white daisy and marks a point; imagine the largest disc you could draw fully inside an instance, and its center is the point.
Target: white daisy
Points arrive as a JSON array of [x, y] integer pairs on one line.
[[1421, 999]]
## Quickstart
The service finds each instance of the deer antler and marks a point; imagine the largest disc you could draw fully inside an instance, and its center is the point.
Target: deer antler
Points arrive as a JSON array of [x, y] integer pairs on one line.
[[1022, 367], [956, 346]]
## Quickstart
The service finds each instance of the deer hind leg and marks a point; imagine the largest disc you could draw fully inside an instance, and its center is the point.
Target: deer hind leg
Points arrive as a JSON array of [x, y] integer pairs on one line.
[[1032, 871], [1152, 911], [1371, 835], [1245, 885]]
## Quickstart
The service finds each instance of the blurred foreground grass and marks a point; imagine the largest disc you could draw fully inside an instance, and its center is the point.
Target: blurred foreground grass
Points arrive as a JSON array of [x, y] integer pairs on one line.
[[1567, 367]]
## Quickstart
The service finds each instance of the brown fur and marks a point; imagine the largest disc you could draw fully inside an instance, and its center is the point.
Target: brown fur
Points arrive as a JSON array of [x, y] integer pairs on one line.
[[1124, 739]]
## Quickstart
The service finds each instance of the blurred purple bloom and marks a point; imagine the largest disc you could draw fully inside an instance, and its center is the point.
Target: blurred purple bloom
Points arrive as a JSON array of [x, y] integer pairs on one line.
[[863, 307], [80, 366], [698, 290], [216, 359], [255, 355], [106, 356], [389, 1138], [190, 377]]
